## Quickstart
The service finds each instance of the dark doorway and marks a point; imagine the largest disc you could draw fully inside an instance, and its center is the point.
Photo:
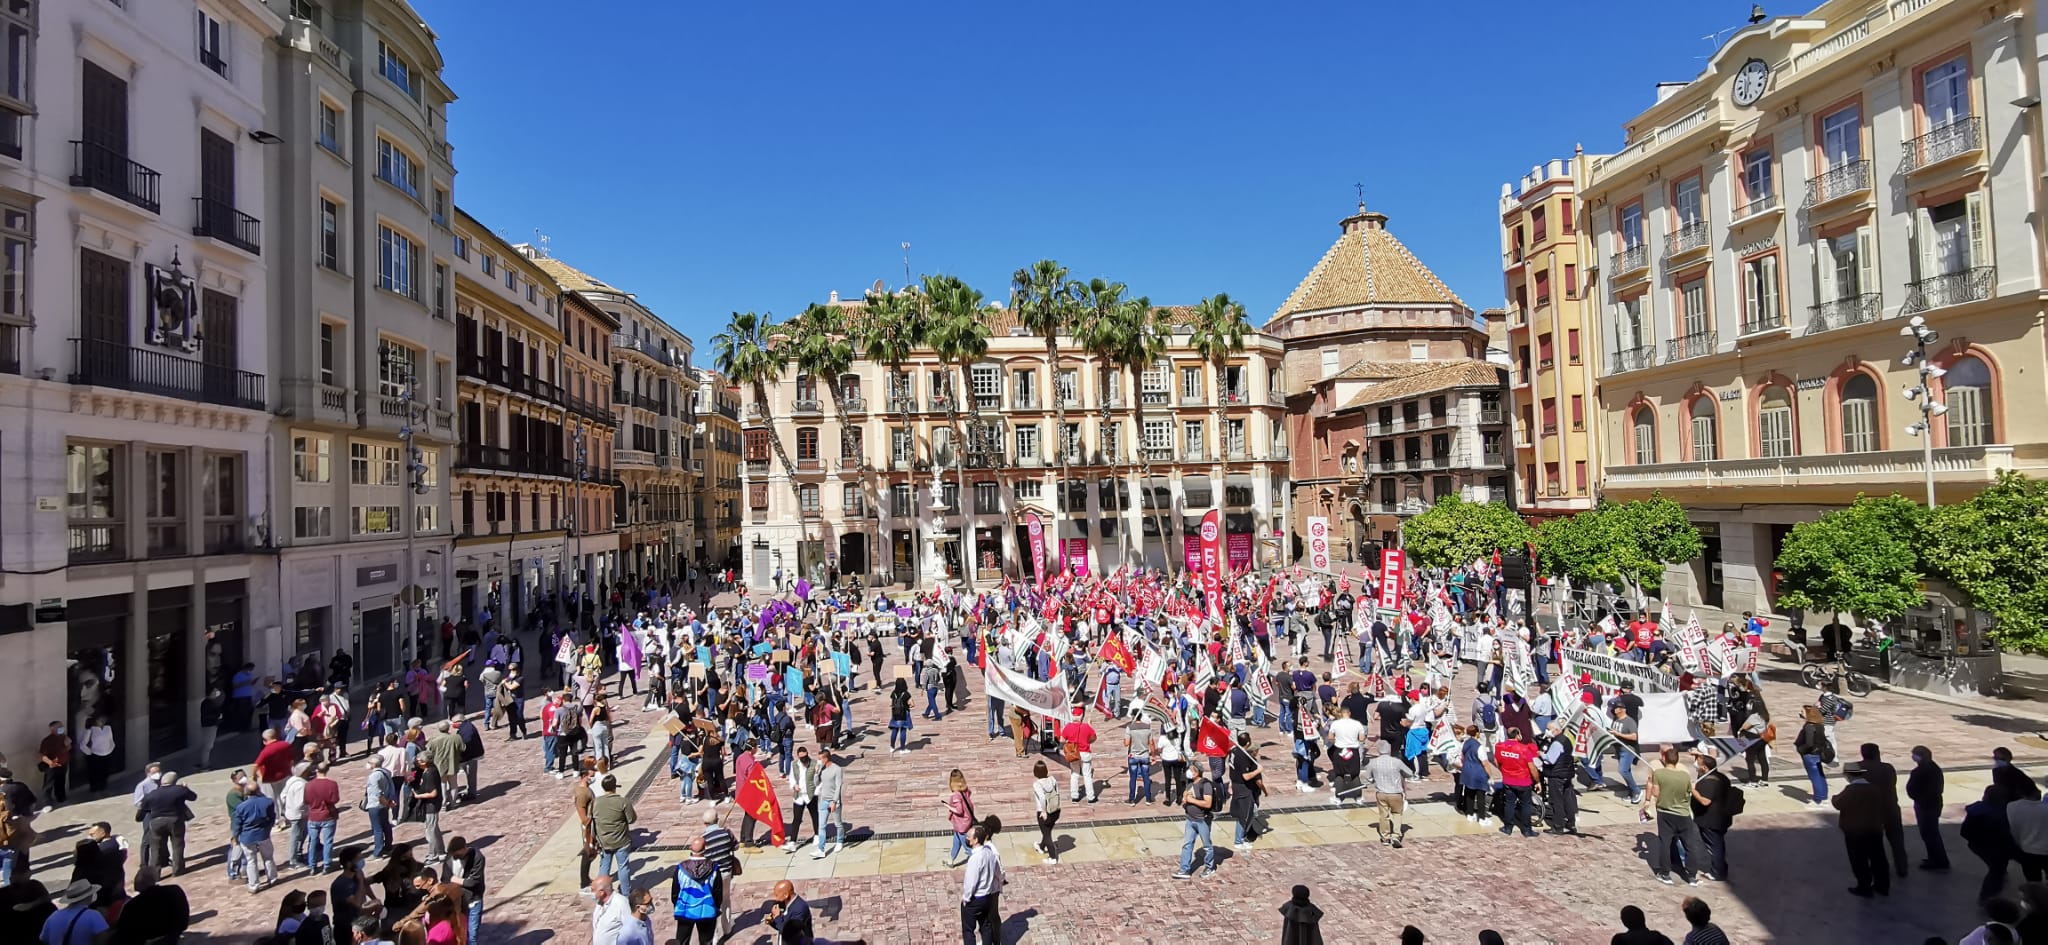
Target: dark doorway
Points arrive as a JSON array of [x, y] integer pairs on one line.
[[853, 555], [375, 648]]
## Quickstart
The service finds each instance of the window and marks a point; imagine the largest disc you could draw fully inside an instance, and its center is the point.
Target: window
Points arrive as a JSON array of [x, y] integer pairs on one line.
[[1192, 438], [850, 446], [1539, 225], [15, 240], [1024, 389], [901, 446], [1565, 221], [807, 444], [461, 247], [330, 334], [1329, 365], [1953, 239], [488, 263], [312, 521], [1190, 385], [1645, 423], [430, 468], [1945, 93], [1571, 348], [375, 519], [397, 365], [1067, 386], [1859, 414], [426, 516], [1844, 265], [330, 128], [757, 495], [397, 168], [1233, 437], [899, 500], [988, 387], [1692, 298], [1701, 413], [1027, 442], [330, 234], [1542, 287], [807, 498], [1158, 436], [1761, 311], [398, 259], [1578, 412], [394, 68], [1685, 201], [1571, 280], [312, 459], [163, 500], [213, 44], [532, 293], [850, 500], [1030, 489], [1841, 136], [1966, 389], [986, 501], [511, 277], [1630, 225], [440, 207], [1418, 351], [1111, 436], [1774, 424], [17, 24], [1757, 186], [441, 291]]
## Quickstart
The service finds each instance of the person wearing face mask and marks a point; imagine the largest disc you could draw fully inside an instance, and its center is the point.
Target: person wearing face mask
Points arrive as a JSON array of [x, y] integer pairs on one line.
[[316, 927], [1924, 788]]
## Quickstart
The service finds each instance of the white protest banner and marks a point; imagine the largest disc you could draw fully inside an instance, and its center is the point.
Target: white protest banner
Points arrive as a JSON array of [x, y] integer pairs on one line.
[[1393, 574], [1015, 688], [1664, 720], [1609, 672], [1475, 645], [1319, 543]]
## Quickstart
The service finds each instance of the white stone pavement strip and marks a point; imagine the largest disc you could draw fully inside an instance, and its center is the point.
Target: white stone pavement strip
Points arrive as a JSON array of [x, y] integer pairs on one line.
[[553, 867]]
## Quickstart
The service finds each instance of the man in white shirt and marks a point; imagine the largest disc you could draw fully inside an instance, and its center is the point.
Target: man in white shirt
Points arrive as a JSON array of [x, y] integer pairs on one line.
[[611, 913], [151, 777], [981, 887]]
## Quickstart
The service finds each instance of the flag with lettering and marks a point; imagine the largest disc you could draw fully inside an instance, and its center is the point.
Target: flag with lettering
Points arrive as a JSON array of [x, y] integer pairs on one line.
[[1114, 651], [1262, 683], [757, 798], [1310, 726], [1212, 739], [1343, 664], [1205, 670]]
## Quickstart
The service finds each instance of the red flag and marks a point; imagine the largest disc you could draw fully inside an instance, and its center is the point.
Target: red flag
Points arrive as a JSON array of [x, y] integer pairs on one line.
[[1102, 702], [459, 658], [981, 653], [1114, 651], [757, 798], [1212, 739]]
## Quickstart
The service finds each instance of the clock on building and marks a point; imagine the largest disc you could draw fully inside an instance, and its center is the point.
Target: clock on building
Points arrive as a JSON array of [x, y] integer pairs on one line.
[[1750, 82]]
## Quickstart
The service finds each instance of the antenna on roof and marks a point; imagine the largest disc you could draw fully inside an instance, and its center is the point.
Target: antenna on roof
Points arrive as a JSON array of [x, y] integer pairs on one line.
[[878, 288], [540, 243], [906, 264]]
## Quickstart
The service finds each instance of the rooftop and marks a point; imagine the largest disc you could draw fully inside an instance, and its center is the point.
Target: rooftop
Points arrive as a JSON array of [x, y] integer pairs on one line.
[[1438, 376], [1367, 267]]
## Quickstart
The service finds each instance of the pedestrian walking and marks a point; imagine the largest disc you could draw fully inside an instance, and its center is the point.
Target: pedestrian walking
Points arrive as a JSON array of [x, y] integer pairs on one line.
[[981, 890], [1669, 800], [612, 816], [1045, 799], [1924, 787], [1301, 921], [959, 814], [1862, 823], [1199, 810]]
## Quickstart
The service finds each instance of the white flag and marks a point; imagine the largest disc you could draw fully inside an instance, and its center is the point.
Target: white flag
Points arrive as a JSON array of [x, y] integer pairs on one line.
[[1046, 698]]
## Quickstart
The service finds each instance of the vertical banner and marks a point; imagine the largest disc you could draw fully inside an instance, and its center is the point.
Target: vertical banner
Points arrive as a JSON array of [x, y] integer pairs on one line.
[[1240, 548], [1212, 562], [1393, 572], [1319, 543], [1074, 551], [1036, 529]]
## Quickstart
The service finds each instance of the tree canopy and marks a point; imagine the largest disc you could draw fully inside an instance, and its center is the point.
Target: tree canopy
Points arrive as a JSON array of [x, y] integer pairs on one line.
[[1625, 544], [1454, 532], [1862, 559], [1995, 549]]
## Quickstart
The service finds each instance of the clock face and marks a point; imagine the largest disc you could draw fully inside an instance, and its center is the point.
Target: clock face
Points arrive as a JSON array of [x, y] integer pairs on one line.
[[1751, 80]]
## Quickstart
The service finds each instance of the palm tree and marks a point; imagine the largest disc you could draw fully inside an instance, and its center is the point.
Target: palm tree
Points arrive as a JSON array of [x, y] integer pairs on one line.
[[1129, 336], [1217, 331], [1048, 305], [958, 334], [890, 329], [745, 353]]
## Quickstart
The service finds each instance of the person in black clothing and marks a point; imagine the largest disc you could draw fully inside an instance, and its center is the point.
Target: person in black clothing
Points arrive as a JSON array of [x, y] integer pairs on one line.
[[1636, 930], [1924, 787], [158, 912], [1712, 812], [1393, 713], [875, 658], [164, 812], [1885, 778], [1359, 704], [454, 692], [1988, 835], [1862, 824]]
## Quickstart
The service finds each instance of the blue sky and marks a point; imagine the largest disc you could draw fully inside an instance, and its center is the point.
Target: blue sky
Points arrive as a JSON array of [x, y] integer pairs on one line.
[[721, 156]]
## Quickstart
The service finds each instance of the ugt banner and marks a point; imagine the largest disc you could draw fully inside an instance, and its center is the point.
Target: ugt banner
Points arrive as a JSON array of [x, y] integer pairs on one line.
[[1212, 562], [1036, 529]]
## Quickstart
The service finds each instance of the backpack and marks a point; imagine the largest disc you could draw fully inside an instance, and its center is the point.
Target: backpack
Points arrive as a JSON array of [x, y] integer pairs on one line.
[[1736, 800], [693, 898], [1489, 717]]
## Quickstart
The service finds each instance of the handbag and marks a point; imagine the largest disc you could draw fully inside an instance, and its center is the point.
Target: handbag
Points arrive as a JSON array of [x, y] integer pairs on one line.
[[1770, 733], [1071, 752]]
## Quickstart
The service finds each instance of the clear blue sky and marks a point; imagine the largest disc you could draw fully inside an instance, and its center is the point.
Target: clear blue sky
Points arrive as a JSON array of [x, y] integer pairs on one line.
[[718, 156]]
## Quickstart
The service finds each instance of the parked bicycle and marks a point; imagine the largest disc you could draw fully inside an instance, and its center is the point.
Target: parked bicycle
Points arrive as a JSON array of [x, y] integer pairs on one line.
[[1834, 675]]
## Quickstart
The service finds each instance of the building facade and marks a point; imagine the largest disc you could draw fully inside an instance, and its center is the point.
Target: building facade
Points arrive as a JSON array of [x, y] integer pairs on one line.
[[652, 407], [1549, 343], [1389, 396], [135, 366], [859, 474], [717, 507], [363, 338], [1765, 235], [533, 503]]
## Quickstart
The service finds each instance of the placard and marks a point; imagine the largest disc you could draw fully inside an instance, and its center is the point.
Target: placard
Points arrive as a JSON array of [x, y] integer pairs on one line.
[[757, 673], [902, 672], [779, 656], [1609, 671], [696, 670], [1393, 572], [1319, 542]]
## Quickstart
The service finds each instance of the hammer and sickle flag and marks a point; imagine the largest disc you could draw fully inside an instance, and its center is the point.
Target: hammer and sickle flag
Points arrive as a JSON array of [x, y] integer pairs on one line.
[[757, 796]]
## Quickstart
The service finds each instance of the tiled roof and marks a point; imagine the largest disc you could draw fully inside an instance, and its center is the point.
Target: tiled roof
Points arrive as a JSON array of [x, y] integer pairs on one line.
[[1367, 266], [1369, 369], [1442, 375], [570, 277]]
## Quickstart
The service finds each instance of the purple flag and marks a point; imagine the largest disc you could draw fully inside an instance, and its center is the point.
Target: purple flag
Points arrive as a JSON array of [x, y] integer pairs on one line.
[[803, 588], [629, 651]]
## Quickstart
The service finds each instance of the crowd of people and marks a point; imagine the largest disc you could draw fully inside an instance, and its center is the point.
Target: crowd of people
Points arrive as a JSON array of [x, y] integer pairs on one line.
[[756, 704]]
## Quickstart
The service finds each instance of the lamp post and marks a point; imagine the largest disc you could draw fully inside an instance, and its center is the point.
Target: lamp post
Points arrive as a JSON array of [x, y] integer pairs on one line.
[[415, 602], [575, 535], [1922, 395]]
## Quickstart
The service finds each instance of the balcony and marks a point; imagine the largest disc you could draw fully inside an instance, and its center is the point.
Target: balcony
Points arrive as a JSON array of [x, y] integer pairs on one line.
[[1633, 359], [1157, 454], [903, 403], [1768, 203], [1954, 288], [1194, 454], [1958, 138], [1763, 322], [500, 459], [1631, 259], [98, 543], [852, 465], [633, 459], [1193, 399], [757, 465], [1686, 240], [1236, 398], [1838, 183], [1695, 345], [853, 403], [223, 537], [1843, 473], [756, 413], [939, 403], [1844, 312], [146, 371], [809, 466], [1492, 415], [643, 347], [1024, 402], [111, 172], [806, 406], [1154, 398], [219, 220]]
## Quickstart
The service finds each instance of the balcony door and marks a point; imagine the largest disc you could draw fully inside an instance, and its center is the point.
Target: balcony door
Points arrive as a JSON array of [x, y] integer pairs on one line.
[[1686, 200], [1945, 93], [103, 319], [216, 183], [104, 116], [221, 353]]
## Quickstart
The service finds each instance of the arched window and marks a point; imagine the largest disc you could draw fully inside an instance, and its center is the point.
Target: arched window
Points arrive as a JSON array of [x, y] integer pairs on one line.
[[1645, 422], [1774, 423], [1703, 439], [1859, 414], [1966, 389]]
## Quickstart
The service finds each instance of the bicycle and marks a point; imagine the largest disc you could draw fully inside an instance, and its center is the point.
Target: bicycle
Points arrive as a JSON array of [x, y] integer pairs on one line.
[[1834, 676]]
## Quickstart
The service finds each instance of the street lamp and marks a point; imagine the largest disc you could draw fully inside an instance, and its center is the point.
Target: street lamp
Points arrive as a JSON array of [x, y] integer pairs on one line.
[[1922, 395], [415, 602], [575, 505]]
